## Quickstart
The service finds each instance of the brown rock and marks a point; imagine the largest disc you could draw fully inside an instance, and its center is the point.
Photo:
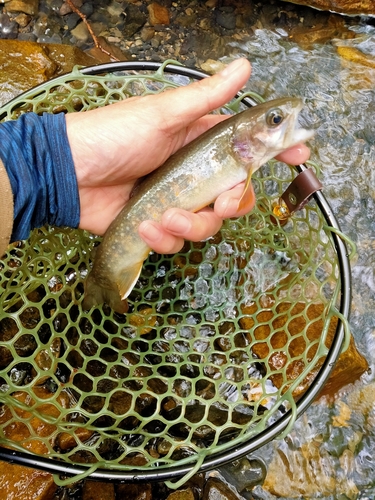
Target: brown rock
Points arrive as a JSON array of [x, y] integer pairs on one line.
[[113, 52], [24, 65], [30, 7], [349, 7], [308, 471], [276, 329], [182, 494], [147, 34], [334, 27], [356, 56], [66, 9], [18, 431], [22, 20], [93, 490], [66, 440], [158, 14], [134, 491], [23, 483], [67, 56], [81, 32]]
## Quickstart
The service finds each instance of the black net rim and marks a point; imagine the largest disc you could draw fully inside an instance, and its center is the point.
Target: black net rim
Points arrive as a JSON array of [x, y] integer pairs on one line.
[[216, 460]]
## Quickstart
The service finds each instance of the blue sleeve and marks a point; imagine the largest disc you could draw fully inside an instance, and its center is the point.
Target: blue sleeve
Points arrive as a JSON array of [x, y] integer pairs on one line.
[[36, 154]]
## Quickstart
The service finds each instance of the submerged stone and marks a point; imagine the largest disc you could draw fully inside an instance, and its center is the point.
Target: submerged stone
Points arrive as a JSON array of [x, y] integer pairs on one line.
[[216, 489], [354, 55], [17, 481], [158, 14], [348, 7], [335, 28], [28, 7], [94, 490], [286, 358], [8, 28]]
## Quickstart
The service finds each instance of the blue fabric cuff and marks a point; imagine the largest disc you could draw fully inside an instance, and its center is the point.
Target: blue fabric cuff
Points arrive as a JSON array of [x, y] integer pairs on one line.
[[36, 154]]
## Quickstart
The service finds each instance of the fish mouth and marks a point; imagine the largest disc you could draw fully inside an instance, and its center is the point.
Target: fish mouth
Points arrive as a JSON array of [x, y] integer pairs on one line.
[[299, 134], [302, 135]]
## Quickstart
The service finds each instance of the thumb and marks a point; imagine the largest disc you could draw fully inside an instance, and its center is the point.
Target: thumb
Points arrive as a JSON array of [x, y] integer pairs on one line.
[[186, 104]]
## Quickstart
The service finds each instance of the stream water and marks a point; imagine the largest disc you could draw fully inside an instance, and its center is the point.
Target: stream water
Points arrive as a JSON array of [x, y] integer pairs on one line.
[[329, 453]]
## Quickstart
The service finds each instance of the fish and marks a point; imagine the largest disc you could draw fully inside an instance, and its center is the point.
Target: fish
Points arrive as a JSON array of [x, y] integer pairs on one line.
[[192, 178]]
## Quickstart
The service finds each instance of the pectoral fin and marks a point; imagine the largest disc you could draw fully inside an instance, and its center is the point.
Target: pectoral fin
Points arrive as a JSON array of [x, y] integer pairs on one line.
[[247, 197], [128, 279]]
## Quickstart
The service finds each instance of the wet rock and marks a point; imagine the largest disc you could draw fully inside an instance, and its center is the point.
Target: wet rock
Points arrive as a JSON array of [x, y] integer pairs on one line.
[[322, 32], [23, 20], [135, 19], [244, 474], [226, 18], [72, 20], [55, 5], [349, 7], [134, 491], [8, 28], [158, 14], [216, 489], [26, 64], [307, 471], [147, 34], [27, 6], [18, 431], [207, 44], [186, 21], [354, 55], [67, 56], [87, 9], [93, 490], [182, 494], [80, 32], [66, 441], [23, 65], [5, 357], [17, 482], [66, 9], [212, 66], [278, 329], [115, 53]]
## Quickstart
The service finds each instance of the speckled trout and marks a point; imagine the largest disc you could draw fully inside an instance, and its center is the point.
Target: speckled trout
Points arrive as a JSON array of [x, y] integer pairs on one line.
[[192, 178]]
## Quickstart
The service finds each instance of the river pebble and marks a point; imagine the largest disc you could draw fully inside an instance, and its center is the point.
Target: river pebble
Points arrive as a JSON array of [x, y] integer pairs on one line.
[[191, 32]]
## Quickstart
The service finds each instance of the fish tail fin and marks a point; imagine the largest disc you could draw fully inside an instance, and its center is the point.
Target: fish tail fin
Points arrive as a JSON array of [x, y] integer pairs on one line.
[[96, 295], [128, 278]]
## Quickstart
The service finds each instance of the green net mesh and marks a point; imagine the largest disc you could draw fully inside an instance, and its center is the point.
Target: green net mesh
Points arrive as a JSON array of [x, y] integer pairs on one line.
[[219, 342]]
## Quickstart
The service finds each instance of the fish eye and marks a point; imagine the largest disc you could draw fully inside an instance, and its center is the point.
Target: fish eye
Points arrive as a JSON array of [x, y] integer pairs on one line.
[[274, 117]]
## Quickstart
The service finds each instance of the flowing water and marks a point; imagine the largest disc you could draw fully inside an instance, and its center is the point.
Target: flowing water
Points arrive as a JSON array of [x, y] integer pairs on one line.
[[329, 453]]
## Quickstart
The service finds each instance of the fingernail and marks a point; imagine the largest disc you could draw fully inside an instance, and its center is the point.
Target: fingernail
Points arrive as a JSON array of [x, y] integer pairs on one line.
[[231, 68], [227, 208], [149, 231], [177, 223]]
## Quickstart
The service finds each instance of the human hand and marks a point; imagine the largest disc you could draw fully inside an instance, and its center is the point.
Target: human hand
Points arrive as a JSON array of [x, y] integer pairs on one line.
[[114, 146]]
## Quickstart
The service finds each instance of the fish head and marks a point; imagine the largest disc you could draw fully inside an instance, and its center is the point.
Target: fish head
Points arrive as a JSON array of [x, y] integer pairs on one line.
[[266, 130], [263, 132]]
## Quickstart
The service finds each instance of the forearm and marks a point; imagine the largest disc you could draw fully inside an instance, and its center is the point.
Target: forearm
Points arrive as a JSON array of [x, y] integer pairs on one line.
[[37, 158], [6, 209]]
